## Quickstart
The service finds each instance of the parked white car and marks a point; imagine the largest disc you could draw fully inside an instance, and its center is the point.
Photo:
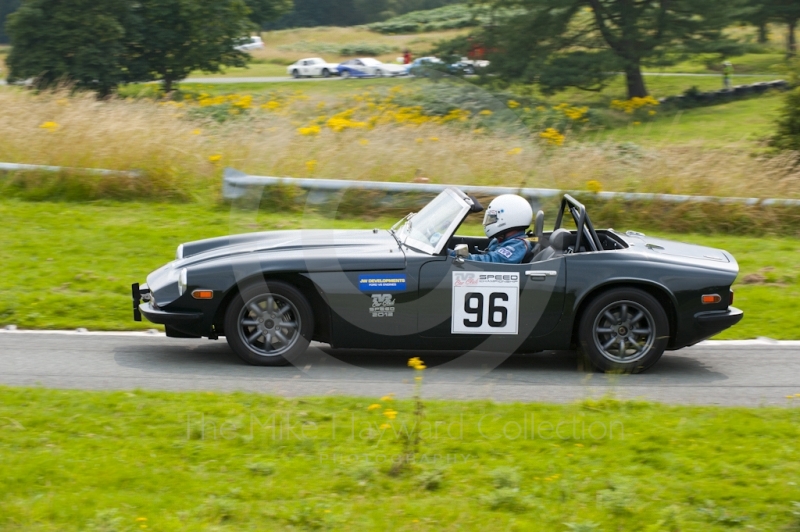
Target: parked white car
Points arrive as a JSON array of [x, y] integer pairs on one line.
[[367, 66], [312, 67], [255, 43]]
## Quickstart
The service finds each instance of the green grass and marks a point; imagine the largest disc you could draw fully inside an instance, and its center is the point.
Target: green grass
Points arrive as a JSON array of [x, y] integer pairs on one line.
[[748, 121], [69, 265], [115, 461]]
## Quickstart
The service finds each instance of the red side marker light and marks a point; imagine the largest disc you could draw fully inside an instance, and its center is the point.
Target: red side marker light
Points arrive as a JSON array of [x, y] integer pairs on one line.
[[731, 303], [710, 299], [203, 294]]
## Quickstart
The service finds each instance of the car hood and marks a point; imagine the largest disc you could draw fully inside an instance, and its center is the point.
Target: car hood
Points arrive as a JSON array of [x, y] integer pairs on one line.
[[353, 247]]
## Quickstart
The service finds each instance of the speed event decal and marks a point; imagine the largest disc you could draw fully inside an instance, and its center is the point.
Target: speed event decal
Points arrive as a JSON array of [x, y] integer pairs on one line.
[[382, 306], [485, 303], [382, 282]]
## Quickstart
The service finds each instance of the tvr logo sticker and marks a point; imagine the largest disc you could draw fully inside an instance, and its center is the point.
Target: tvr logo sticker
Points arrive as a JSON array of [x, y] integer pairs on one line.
[[382, 306]]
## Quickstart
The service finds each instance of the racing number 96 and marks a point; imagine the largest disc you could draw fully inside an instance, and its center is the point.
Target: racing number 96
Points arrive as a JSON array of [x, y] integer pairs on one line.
[[496, 315]]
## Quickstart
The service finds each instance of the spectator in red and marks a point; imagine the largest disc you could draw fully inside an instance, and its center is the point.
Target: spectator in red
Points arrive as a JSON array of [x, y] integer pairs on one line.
[[406, 57]]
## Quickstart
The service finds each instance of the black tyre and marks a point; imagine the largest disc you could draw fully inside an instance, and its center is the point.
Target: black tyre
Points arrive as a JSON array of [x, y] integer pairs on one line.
[[326, 73], [295, 73], [345, 74], [624, 330], [269, 324]]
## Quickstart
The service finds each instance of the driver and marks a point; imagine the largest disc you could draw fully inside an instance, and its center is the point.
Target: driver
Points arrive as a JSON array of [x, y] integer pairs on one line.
[[505, 222]]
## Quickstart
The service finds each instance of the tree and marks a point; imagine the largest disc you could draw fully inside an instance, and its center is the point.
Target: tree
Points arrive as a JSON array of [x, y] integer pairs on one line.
[[171, 38], [263, 11], [787, 12], [77, 41], [577, 43], [6, 8]]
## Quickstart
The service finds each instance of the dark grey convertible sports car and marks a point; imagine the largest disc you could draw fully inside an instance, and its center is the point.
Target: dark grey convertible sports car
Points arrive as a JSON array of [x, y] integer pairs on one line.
[[620, 298]]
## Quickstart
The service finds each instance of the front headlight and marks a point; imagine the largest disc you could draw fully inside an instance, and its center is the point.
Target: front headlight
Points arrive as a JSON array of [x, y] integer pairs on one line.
[[183, 281], [179, 253]]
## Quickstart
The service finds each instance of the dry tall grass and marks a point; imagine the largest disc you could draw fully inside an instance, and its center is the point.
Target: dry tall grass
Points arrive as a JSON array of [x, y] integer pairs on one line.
[[176, 153]]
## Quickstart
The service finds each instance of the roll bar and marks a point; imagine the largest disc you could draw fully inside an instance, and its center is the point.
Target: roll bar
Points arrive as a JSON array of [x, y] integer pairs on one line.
[[582, 222]]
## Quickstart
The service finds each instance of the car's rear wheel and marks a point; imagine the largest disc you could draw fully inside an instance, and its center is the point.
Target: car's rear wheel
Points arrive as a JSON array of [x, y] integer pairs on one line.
[[295, 73], [345, 74], [624, 330], [379, 73], [326, 73], [269, 324]]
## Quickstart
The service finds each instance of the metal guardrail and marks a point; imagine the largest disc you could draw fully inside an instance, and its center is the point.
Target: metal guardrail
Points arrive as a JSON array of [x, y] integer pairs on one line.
[[236, 184], [14, 167]]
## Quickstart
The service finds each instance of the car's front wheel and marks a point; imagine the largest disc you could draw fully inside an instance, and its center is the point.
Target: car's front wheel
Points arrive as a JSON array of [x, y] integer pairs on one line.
[[269, 324], [623, 330], [295, 73]]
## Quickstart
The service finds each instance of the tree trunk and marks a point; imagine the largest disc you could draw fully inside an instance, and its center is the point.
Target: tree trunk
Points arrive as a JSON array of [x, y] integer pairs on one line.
[[791, 42], [167, 85], [763, 33], [635, 81]]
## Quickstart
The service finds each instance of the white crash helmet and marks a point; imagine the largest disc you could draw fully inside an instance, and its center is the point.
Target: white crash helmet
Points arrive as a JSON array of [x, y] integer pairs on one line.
[[506, 212]]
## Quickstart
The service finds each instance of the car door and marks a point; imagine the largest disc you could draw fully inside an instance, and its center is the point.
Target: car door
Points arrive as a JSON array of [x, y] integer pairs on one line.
[[305, 69], [471, 302]]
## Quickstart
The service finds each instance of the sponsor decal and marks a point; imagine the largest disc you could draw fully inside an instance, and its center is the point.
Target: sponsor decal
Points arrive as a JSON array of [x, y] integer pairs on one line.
[[384, 282], [506, 252], [382, 306]]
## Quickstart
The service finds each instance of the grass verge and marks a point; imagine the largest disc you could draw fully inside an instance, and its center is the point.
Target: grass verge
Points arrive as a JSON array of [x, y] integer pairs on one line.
[[101, 461], [68, 265]]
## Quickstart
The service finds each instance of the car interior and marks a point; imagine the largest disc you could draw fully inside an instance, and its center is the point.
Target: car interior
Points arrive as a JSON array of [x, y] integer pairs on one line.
[[560, 241]]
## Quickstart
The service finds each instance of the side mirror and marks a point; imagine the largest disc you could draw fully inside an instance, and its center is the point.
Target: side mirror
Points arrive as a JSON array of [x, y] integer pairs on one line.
[[462, 252]]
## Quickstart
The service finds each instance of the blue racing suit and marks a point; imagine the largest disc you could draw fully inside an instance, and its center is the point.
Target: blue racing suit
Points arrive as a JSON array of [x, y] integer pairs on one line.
[[510, 251]]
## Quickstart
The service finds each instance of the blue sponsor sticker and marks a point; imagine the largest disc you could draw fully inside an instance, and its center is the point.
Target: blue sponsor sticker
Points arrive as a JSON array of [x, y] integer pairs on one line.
[[384, 282]]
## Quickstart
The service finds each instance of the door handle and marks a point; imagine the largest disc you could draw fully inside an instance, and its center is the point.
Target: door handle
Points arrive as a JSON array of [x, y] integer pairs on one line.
[[536, 275]]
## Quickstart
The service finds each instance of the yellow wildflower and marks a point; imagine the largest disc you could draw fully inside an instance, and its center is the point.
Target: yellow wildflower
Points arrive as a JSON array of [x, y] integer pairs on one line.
[[594, 186], [420, 140], [434, 139], [50, 126], [552, 136], [363, 142], [416, 363], [541, 108], [515, 151], [390, 397], [271, 105], [141, 519], [513, 104], [309, 131], [374, 406], [637, 123], [391, 414], [215, 158], [196, 132], [485, 112], [311, 165], [385, 426]]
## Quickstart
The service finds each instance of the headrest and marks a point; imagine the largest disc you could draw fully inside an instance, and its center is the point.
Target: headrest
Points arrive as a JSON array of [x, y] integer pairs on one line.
[[559, 239]]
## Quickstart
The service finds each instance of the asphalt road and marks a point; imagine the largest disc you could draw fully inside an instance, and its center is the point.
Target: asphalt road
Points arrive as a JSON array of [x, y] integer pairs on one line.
[[718, 373]]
